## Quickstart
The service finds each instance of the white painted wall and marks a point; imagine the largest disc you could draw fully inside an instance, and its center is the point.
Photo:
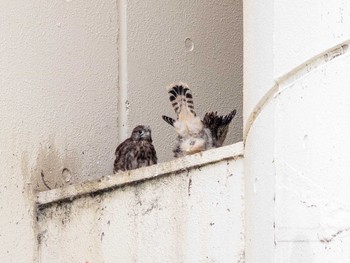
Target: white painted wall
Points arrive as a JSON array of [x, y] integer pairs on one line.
[[157, 56], [58, 106], [312, 182], [305, 29], [187, 210], [259, 132], [296, 128]]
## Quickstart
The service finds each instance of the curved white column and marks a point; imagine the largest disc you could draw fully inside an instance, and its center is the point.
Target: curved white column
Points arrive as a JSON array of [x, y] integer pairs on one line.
[[296, 105], [258, 132], [312, 212]]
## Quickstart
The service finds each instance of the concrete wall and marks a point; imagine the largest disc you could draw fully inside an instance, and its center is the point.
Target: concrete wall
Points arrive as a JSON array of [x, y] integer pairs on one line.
[[75, 76], [58, 106], [155, 34], [187, 210], [296, 147]]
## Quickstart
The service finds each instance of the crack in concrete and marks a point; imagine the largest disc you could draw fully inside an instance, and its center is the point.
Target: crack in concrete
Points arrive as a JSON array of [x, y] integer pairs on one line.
[[332, 237]]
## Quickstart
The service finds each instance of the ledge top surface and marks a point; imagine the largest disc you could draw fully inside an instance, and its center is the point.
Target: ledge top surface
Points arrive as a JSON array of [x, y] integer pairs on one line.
[[142, 174]]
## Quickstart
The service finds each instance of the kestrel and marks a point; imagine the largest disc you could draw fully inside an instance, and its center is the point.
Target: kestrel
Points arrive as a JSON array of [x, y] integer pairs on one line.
[[192, 135], [136, 151], [217, 125]]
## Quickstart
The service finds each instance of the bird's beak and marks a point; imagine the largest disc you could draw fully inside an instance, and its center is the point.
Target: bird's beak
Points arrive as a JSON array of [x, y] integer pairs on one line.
[[148, 130], [148, 134]]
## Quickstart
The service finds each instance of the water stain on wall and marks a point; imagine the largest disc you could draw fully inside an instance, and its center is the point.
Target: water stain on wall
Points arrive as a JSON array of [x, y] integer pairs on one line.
[[29, 195], [53, 168]]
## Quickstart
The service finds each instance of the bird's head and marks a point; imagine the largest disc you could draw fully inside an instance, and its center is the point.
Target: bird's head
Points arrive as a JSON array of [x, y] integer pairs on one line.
[[141, 132]]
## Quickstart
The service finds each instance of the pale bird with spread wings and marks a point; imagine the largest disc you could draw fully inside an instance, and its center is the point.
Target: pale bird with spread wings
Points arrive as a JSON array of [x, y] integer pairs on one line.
[[194, 134], [136, 151]]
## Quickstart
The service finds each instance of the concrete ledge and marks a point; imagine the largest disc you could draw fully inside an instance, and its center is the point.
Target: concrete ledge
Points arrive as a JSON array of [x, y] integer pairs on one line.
[[187, 210], [114, 181]]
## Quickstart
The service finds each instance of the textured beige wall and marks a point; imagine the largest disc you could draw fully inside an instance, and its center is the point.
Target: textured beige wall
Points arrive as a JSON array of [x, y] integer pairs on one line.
[[58, 97], [157, 56], [60, 73]]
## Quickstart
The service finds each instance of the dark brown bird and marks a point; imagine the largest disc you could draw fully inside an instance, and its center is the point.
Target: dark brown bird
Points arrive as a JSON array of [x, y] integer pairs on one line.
[[136, 151]]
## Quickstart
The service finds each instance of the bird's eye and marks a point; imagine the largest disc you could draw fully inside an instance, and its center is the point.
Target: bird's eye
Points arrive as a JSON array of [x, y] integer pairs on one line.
[[140, 132]]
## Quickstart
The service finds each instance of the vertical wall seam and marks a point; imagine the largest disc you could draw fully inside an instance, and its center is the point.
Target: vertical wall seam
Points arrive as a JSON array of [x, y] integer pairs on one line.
[[123, 71]]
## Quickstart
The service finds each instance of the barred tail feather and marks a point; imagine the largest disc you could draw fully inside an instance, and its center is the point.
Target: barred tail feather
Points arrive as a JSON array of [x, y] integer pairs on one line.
[[168, 120], [181, 99]]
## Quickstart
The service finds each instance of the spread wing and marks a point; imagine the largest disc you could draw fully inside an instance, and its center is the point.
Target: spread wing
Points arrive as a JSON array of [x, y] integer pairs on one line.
[[218, 125], [181, 99], [187, 122]]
